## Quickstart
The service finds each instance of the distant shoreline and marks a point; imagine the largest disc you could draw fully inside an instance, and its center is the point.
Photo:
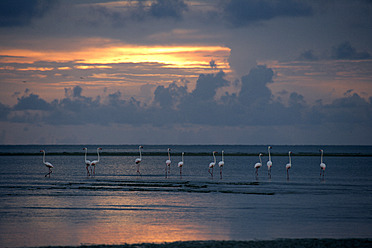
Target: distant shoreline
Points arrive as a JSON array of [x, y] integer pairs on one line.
[[278, 243], [236, 154]]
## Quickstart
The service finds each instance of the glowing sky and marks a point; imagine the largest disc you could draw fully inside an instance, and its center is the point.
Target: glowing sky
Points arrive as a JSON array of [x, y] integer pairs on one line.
[[178, 71]]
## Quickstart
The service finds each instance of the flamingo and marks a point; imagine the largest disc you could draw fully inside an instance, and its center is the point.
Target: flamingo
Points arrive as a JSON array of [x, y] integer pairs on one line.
[[212, 164], [168, 163], [322, 165], [95, 162], [269, 163], [180, 164], [47, 164], [258, 165], [289, 165], [221, 164], [138, 160], [87, 162]]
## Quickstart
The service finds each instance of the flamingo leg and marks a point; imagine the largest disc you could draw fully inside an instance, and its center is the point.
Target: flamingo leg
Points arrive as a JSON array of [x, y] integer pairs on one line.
[[166, 171], [88, 174], [181, 172], [48, 174], [94, 170], [220, 172], [138, 170]]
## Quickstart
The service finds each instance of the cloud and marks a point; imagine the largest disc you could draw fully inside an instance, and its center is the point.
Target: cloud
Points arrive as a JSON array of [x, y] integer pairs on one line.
[[241, 12], [168, 8], [254, 85], [32, 102], [21, 12], [176, 107], [308, 55], [4, 111], [346, 51]]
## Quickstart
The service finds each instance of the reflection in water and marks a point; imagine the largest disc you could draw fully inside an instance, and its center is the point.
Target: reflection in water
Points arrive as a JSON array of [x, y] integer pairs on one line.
[[130, 218]]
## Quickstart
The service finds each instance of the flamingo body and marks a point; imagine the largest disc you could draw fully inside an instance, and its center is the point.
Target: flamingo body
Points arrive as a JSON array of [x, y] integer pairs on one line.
[[212, 164], [269, 163], [180, 165], [87, 162], [322, 165], [289, 165], [47, 164], [168, 163], [221, 164], [258, 165], [95, 162], [139, 160]]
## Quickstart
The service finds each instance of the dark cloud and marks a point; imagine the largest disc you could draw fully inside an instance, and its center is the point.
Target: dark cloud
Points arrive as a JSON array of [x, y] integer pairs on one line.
[[170, 97], [168, 8], [346, 51], [241, 12], [21, 12], [32, 102], [308, 56], [4, 111], [207, 86], [254, 86], [212, 64], [349, 109]]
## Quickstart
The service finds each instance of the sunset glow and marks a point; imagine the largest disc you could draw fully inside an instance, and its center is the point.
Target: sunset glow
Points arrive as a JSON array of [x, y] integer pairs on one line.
[[169, 56]]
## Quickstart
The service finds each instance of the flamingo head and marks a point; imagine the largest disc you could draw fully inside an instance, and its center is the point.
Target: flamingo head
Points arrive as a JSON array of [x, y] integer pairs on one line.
[[84, 148], [214, 152], [270, 147], [99, 148], [260, 154], [320, 150], [140, 146], [169, 149], [289, 152], [42, 151]]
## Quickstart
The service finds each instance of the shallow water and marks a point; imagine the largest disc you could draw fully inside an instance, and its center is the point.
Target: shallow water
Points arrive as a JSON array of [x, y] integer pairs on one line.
[[118, 206]]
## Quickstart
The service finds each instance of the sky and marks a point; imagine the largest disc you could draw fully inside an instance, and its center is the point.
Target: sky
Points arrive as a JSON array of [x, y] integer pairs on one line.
[[255, 72]]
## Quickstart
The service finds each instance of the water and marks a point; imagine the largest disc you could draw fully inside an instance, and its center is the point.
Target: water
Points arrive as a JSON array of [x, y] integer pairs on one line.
[[118, 206]]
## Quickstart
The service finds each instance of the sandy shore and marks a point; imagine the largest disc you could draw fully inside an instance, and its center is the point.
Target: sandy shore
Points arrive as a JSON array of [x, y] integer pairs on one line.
[[285, 243]]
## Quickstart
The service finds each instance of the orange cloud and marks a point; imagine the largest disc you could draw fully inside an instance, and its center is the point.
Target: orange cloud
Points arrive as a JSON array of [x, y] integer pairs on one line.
[[190, 56]]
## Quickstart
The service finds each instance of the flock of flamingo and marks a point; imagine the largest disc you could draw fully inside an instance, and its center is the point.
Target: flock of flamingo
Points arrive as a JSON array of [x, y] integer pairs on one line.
[[92, 164]]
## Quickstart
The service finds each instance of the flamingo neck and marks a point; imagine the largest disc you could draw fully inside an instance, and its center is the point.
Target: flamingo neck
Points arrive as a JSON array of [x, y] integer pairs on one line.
[[44, 157], [182, 157], [321, 157], [222, 155], [214, 158], [140, 153], [98, 153], [260, 158], [168, 155], [289, 154], [269, 154]]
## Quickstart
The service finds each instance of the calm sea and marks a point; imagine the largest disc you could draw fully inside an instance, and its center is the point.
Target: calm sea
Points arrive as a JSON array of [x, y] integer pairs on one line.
[[118, 206]]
